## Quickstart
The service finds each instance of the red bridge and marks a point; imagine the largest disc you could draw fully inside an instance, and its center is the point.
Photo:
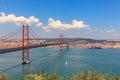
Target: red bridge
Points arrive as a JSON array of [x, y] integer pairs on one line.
[[26, 45]]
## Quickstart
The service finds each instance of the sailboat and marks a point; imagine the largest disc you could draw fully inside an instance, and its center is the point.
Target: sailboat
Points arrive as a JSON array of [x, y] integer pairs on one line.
[[66, 62]]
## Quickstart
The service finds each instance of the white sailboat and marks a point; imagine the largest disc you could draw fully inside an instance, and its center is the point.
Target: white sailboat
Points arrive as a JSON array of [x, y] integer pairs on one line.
[[66, 62]]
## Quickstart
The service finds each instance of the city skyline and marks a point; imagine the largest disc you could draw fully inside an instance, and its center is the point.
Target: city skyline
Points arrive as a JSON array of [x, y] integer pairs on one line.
[[96, 19]]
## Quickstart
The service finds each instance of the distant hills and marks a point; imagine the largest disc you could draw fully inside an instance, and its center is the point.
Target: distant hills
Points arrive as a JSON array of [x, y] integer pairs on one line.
[[82, 40]]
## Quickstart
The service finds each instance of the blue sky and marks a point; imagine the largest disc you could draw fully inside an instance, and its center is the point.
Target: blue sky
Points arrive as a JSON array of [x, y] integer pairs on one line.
[[101, 16]]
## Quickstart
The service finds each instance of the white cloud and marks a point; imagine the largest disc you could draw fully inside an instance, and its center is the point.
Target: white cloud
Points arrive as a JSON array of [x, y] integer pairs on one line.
[[39, 24], [20, 20], [58, 25], [109, 31], [46, 29]]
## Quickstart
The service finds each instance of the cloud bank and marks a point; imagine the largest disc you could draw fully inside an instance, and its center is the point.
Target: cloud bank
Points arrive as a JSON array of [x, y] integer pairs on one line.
[[58, 25], [52, 24], [20, 20]]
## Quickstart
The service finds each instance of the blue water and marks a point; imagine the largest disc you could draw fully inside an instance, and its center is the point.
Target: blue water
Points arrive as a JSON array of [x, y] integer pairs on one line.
[[64, 63]]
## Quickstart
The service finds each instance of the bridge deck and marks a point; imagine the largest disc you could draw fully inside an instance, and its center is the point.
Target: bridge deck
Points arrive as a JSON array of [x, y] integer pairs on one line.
[[30, 47]]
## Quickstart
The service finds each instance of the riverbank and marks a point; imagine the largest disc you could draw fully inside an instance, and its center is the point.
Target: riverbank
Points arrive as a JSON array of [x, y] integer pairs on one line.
[[74, 44]]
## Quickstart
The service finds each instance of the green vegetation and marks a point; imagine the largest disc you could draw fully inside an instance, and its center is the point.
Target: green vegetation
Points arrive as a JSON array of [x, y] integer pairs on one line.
[[94, 76], [2, 76], [42, 76], [82, 40], [78, 76]]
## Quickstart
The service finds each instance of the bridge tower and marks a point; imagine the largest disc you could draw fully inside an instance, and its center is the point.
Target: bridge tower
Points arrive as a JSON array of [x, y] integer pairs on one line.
[[61, 42], [25, 45]]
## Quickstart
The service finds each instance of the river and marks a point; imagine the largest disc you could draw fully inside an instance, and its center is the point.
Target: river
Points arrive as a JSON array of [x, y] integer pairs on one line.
[[64, 63]]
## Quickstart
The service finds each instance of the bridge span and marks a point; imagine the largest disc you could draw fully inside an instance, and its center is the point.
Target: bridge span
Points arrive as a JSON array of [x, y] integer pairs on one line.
[[7, 50]]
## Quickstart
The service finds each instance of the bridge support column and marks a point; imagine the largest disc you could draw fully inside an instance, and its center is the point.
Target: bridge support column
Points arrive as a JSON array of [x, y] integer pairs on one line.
[[22, 44], [61, 42], [25, 45]]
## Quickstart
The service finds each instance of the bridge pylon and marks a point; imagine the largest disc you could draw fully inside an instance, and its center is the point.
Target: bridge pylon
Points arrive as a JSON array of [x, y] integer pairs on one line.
[[61, 42], [25, 45]]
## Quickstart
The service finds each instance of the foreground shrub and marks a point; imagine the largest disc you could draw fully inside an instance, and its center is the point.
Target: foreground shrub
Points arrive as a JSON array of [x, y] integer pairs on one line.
[[2, 76], [94, 76], [78, 76], [42, 76]]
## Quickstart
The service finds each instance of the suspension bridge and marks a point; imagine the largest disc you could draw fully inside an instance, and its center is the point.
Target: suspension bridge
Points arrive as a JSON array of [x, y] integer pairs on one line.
[[25, 43]]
